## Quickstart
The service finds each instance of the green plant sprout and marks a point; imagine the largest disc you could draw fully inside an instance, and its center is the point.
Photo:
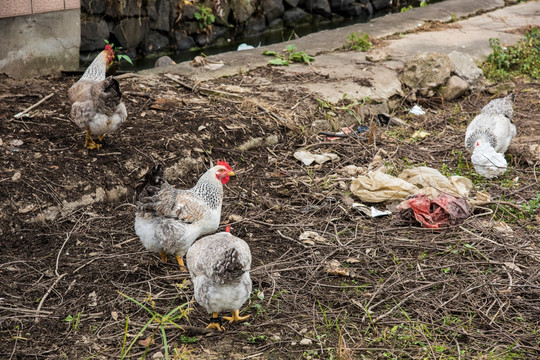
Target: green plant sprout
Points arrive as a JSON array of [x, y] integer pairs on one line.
[[73, 321], [291, 55], [163, 321], [118, 56], [522, 59], [205, 16], [358, 41]]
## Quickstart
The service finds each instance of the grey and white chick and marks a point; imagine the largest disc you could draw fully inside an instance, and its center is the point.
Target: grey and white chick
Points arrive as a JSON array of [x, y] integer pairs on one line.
[[219, 267], [488, 136]]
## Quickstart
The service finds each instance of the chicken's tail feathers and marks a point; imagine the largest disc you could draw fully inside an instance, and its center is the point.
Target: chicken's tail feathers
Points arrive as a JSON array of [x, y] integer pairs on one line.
[[150, 183], [229, 267], [111, 87]]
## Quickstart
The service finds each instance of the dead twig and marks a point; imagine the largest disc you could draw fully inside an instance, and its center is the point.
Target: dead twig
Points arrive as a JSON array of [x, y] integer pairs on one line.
[[19, 115], [42, 301]]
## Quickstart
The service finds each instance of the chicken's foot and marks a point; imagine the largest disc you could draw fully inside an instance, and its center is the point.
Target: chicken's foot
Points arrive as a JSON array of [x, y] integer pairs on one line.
[[236, 317], [163, 255], [181, 263], [215, 322], [89, 142]]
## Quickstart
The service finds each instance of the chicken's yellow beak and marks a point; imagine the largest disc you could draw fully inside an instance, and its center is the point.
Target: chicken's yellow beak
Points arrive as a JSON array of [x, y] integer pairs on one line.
[[230, 173]]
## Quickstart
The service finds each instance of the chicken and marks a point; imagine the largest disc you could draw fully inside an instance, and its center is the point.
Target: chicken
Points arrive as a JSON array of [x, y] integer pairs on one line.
[[488, 136], [96, 101], [168, 220], [219, 267]]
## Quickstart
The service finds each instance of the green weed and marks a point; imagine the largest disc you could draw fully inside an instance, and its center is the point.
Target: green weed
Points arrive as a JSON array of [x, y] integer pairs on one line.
[[358, 41], [290, 56], [204, 16], [163, 322], [522, 59], [406, 8], [73, 321]]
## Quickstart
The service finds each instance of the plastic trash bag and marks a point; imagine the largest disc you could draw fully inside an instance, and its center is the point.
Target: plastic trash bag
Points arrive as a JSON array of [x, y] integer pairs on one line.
[[377, 187], [308, 158], [433, 182], [444, 210]]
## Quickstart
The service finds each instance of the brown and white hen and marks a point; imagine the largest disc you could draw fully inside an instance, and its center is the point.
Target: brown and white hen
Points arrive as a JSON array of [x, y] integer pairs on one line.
[[97, 105], [168, 220]]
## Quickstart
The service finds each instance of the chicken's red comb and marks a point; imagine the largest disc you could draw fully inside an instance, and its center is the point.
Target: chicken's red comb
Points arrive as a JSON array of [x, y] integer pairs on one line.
[[108, 47], [224, 163], [228, 228]]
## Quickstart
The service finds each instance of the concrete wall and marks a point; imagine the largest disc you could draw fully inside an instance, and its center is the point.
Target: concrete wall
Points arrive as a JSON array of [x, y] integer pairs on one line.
[[39, 37]]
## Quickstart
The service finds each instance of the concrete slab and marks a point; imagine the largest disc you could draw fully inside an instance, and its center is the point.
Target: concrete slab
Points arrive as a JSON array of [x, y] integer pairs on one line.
[[473, 34], [351, 74]]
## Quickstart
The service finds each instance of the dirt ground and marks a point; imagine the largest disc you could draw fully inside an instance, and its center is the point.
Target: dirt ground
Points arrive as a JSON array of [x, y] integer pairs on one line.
[[69, 250]]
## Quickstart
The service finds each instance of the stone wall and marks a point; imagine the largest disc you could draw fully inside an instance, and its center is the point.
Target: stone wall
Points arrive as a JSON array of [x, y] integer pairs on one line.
[[39, 37], [150, 26]]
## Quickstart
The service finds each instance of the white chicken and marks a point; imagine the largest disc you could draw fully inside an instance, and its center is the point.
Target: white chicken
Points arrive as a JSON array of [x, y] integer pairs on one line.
[[168, 220], [219, 267], [488, 136], [96, 100]]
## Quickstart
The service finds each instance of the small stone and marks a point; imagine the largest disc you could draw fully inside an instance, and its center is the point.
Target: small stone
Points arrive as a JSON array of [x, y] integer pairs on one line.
[[114, 315], [377, 55], [275, 338], [454, 88], [16, 176], [306, 342], [158, 355], [93, 299]]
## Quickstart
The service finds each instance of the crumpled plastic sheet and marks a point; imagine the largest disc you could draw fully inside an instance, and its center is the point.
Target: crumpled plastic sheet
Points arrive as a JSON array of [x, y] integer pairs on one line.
[[377, 186], [444, 210]]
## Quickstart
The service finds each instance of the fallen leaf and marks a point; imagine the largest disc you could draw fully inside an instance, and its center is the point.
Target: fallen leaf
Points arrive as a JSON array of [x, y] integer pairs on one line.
[[146, 342], [335, 268], [16, 142], [235, 218]]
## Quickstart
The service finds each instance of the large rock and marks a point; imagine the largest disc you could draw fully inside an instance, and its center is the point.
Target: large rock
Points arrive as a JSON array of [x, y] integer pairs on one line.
[[454, 88], [92, 35], [465, 67], [351, 8], [242, 10], [155, 42], [255, 25], [222, 13], [381, 4], [292, 3], [204, 39], [131, 32], [273, 9], [427, 70], [320, 7], [94, 7], [294, 17], [183, 41], [118, 9], [159, 13]]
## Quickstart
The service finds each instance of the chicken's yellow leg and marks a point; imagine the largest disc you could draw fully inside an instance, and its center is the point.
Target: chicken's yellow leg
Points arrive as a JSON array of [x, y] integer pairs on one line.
[[215, 322], [181, 263], [89, 142], [236, 317], [100, 138], [163, 255]]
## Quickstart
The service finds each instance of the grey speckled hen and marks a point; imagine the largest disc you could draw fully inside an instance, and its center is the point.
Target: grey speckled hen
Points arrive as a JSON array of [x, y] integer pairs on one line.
[[169, 220], [488, 136], [219, 267]]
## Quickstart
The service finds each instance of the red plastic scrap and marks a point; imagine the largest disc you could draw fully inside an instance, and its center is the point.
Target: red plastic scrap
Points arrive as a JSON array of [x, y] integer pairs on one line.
[[442, 211]]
